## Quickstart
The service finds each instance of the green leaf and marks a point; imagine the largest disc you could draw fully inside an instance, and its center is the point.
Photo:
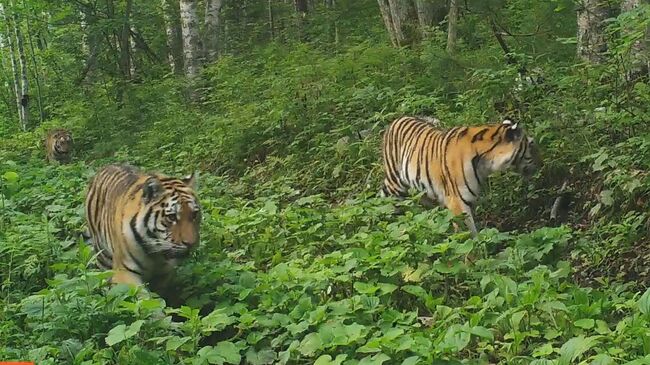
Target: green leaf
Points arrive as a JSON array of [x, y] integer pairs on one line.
[[545, 350], [116, 335], [261, 357], [10, 176], [644, 302], [210, 355], [482, 332], [310, 344], [327, 360], [175, 342], [377, 359], [586, 323], [575, 347], [411, 360], [606, 197], [364, 288], [229, 352]]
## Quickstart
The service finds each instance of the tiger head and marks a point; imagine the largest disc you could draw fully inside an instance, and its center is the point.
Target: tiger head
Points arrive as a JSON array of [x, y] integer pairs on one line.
[[516, 150], [62, 142], [172, 215]]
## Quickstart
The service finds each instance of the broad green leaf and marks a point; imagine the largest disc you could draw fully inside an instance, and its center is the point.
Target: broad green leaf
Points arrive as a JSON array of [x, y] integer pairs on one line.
[[482, 332], [413, 360], [586, 323], [544, 350], [175, 342], [365, 288], [644, 302], [327, 360], [229, 352], [310, 344], [10, 176], [377, 359], [575, 347]]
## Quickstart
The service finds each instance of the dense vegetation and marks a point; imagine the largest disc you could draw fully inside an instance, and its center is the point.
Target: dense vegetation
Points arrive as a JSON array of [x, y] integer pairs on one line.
[[300, 262]]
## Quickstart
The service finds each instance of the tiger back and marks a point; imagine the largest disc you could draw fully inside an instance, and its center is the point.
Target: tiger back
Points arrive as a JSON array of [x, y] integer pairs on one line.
[[450, 166], [58, 146], [140, 224]]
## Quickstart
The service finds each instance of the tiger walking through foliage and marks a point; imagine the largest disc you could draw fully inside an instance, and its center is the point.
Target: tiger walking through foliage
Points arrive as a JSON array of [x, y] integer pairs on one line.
[[58, 146], [141, 225], [450, 166]]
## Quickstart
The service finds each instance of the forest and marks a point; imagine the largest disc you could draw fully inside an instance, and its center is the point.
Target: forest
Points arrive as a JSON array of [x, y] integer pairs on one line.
[[280, 106]]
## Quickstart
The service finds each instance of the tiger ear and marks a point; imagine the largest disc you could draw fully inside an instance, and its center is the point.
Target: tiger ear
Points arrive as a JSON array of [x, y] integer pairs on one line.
[[513, 132], [151, 189], [510, 123], [192, 180]]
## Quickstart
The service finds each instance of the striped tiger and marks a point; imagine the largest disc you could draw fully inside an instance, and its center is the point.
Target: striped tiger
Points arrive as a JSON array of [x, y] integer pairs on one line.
[[450, 166], [58, 146], [141, 224]]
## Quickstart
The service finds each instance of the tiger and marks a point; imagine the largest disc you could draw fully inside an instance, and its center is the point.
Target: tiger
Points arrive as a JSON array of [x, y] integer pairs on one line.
[[449, 166], [58, 146], [141, 224]]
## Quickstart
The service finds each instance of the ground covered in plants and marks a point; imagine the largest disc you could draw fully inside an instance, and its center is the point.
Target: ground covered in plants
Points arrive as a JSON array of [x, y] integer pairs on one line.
[[300, 262]]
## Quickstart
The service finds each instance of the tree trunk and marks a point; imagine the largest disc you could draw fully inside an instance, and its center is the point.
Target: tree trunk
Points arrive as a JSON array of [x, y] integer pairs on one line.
[[403, 16], [332, 19], [189, 29], [212, 21], [301, 12], [271, 24], [37, 74], [14, 67], [125, 42], [301, 6], [591, 30], [174, 41], [639, 52], [430, 13], [452, 26], [22, 58], [384, 7]]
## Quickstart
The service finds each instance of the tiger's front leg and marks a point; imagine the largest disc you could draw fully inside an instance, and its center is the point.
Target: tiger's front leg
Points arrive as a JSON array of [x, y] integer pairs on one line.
[[122, 276], [458, 207]]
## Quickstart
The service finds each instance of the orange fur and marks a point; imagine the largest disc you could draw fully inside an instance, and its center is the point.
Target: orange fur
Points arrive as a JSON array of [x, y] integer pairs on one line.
[[141, 224], [58, 146], [449, 166]]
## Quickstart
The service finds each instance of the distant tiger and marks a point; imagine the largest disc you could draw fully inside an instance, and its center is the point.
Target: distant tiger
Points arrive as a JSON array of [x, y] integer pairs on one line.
[[58, 146], [141, 224], [450, 166]]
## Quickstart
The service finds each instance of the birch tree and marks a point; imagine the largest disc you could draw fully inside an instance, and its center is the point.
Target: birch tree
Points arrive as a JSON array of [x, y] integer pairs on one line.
[[591, 30], [18, 67], [170, 10], [190, 34], [400, 18], [635, 26], [452, 26], [211, 29], [125, 41], [24, 80], [384, 8]]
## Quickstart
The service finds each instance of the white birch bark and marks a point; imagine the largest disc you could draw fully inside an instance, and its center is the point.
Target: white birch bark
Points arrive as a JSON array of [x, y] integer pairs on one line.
[[190, 34], [211, 27], [172, 29], [452, 26], [22, 58], [384, 8], [591, 30], [14, 66]]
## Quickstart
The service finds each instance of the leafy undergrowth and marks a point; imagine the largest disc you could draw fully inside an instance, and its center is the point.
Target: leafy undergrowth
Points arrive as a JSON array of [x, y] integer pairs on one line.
[[286, 278]]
